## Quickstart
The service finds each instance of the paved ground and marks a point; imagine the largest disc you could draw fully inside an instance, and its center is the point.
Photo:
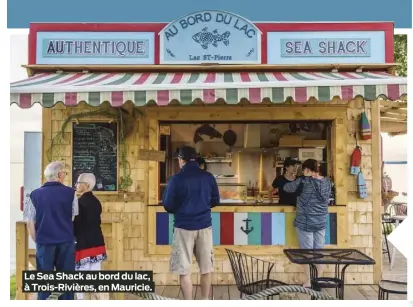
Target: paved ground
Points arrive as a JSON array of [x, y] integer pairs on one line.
[[399, 271], [352, 292]]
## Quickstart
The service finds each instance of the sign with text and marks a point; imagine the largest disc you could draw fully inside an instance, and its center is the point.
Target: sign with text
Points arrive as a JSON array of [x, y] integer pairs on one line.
[[210, 37], [73, 48], [88, 281], [326, 47], [151, 155]]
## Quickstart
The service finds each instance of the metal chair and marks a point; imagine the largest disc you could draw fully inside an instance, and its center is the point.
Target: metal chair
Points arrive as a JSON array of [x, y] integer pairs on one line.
[[387, 287], [399, 209], [251, 274], [387, 227]]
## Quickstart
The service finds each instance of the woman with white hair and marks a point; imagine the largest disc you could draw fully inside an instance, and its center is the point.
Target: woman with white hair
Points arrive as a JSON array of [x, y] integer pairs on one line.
[[90, 244]]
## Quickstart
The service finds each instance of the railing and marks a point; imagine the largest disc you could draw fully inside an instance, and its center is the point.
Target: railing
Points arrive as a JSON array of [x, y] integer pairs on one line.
[[24, 255]]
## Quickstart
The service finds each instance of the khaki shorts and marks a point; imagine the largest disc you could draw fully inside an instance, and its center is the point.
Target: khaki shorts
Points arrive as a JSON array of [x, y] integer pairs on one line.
[[185, 244]]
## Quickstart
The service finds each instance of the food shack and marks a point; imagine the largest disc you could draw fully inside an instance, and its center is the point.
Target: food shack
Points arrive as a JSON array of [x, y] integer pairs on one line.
[[120, 99]]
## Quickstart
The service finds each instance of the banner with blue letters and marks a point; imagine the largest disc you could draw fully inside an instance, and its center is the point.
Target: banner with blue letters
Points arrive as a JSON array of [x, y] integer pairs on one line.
[[108, 48], [344, 47]]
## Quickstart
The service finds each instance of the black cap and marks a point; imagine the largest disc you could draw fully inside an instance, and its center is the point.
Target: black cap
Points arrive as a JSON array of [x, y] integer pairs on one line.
[[290, 161], [187, 153]]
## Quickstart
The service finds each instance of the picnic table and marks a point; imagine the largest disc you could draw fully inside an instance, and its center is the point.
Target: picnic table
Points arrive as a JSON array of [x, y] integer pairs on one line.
[[341, 258]]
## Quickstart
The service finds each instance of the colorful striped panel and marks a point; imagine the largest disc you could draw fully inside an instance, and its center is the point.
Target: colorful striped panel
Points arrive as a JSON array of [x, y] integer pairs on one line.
[[290, 233], [266, 228], [162, 88], [255, 236], [241, 228], [162, 228], [333, 228], [253, 228], [171, 228], [216, 228], [278, 228], [327, 236], [227, 228]]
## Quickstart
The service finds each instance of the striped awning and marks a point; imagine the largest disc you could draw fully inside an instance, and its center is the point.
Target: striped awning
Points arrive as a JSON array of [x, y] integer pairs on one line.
[[162, 88]]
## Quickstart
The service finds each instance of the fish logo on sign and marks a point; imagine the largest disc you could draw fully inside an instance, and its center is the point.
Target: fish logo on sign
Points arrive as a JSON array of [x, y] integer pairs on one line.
[[205, 37], [210, 37]]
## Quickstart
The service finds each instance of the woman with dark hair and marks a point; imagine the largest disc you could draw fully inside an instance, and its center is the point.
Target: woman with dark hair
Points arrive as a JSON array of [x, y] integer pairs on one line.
[[289, 175], [313, 193], [202, 163]]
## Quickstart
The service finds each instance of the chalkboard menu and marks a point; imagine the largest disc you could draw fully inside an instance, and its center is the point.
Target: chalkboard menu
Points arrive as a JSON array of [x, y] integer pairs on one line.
[[95, 151]]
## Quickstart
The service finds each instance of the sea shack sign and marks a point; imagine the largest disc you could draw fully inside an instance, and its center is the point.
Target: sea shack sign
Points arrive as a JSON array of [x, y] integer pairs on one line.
[[73, 48], [326, 47], [210, 37]]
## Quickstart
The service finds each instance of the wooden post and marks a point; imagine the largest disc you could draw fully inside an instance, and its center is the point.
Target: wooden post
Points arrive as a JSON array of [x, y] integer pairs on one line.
[[376, 174], [46, 138], [340, 159], [22, 248], [152, 177], [117, 252]]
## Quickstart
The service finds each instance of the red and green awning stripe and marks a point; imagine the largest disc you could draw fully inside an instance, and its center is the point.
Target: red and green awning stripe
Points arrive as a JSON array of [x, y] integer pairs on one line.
[[162, 88]]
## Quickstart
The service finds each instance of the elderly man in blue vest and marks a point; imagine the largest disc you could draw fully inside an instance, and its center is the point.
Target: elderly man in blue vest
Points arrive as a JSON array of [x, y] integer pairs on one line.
[[49, 214]]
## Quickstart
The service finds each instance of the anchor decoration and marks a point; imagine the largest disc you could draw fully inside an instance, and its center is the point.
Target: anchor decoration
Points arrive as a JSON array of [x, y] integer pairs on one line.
[[247, 230]]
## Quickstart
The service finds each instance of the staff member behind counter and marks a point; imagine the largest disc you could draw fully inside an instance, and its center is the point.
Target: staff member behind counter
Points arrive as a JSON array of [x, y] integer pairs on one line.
[[289, 175], [202, 163]]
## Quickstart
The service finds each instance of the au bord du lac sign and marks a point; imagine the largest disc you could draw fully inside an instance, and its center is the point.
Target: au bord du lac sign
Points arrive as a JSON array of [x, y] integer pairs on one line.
[[210, 37]]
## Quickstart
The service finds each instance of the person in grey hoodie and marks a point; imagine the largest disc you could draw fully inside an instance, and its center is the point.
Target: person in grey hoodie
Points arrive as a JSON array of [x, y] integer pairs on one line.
[[313, 192]]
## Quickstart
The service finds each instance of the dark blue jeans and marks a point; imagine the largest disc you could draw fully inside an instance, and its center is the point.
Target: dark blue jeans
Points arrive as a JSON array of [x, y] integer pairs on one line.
[[55, 256]]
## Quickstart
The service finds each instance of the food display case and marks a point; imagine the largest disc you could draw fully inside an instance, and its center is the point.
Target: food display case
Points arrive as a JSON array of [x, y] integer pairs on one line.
[[232, 192]]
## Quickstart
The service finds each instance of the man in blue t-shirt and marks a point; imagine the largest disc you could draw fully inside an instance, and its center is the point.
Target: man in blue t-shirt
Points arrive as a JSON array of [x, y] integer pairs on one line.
[[190, 195]]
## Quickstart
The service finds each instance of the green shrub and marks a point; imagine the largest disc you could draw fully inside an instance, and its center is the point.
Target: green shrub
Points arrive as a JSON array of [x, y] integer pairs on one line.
[[12, 287]]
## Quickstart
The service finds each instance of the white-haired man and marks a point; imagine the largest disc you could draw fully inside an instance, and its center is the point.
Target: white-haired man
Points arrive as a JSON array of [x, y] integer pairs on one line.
[[49, 214]]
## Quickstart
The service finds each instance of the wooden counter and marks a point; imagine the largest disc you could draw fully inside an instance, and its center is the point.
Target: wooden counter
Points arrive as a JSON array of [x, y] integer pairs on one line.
[[281, 208]]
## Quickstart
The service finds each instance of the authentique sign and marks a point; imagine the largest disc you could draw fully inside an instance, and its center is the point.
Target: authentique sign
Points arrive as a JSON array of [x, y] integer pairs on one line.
[[210, 37], [152, 155], [325, 47], [95, 48]]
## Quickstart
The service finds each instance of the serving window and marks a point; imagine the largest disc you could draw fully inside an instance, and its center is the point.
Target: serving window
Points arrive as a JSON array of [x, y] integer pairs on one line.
[[245, 157]]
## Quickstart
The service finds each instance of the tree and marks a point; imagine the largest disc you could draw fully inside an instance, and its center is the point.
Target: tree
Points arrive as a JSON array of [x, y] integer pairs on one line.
[[400, 54]]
